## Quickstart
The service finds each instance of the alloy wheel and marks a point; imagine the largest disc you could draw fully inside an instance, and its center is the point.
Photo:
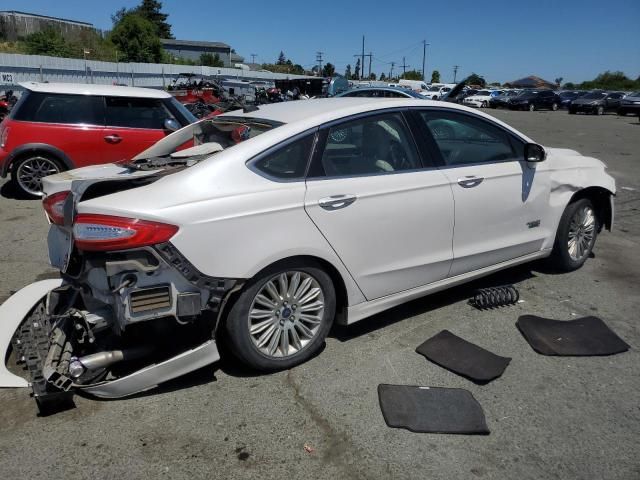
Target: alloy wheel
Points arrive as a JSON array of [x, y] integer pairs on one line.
[[581, 233], [30, 173], [286, 314]]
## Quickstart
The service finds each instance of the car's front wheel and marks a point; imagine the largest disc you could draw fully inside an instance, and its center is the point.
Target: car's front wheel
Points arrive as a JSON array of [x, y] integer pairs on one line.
[[532, 107], [576, 235], [282, 316], [554, 106], [600, 110], [29, 171]]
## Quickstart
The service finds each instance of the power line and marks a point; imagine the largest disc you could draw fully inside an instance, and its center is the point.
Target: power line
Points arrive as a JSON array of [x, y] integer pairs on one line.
[[319, 60]]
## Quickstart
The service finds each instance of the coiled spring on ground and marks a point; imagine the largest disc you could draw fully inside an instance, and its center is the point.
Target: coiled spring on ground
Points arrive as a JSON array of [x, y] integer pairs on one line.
[[493, 297]]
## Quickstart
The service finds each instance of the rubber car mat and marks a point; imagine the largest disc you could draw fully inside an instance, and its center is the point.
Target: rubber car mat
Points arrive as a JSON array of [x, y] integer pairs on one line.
[[587, 336], [431, 409], [462, 357]]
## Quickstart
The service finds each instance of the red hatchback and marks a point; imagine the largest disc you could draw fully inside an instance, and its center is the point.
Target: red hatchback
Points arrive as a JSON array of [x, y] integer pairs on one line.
[[56, 127]]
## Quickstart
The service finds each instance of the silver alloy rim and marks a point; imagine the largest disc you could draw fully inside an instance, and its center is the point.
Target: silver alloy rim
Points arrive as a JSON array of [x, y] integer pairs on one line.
[[30, 173], [286, 314], [581, 233]]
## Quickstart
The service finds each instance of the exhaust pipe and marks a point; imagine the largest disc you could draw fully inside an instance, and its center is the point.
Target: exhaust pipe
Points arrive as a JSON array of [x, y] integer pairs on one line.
[[95, 361]]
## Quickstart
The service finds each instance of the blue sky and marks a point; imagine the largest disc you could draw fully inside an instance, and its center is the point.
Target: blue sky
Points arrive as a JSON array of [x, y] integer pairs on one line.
[[504, 40]]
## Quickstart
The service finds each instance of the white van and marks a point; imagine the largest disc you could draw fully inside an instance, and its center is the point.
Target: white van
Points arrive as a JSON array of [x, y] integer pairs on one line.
[[417, 85]]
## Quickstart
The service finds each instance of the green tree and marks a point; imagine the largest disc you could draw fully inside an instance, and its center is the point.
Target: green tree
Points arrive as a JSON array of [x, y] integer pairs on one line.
[[210, 60], [356, 74], [347, 72], [282, 60], [569, 86], [475, 79], [559, 81], [611, 81], [298, 69], [48, 42], [372, 76], [412, 75], [435, 76], [151, 10], [136, 38], [329, 70], [383, 76]]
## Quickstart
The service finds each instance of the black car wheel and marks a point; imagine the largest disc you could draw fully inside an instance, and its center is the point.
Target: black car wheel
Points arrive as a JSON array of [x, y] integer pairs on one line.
[[622, 112], [599, 110], [532, 107], [576, 236], [554, 106], [572, 111]]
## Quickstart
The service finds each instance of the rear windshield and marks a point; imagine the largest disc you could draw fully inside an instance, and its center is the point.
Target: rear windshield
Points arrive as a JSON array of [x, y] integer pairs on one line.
[[229, 131]]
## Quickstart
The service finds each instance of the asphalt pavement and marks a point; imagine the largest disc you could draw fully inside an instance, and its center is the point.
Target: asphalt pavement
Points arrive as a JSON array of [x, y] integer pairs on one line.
[[550, 417]]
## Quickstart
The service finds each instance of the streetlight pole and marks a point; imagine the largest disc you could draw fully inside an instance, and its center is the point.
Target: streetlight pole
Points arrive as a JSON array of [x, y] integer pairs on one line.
[[455, 72], [424, 58]]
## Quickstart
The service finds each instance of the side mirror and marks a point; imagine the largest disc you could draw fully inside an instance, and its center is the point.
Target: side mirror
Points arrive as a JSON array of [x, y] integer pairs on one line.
[[534, 153], [171, 125]]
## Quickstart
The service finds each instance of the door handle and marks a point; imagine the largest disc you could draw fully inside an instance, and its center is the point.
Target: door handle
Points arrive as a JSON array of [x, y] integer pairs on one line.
[[113, 139], [470, 181], [336, 202]]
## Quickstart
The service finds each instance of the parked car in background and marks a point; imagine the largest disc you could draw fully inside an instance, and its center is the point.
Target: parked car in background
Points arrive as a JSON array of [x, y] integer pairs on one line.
[[381, 92], [481, 98], [535, 100], [60, 126], [415, 85], [502, 100], [459, 97], [597, 102], [569, 96], [630, 104], [328, 211], [434, 92]]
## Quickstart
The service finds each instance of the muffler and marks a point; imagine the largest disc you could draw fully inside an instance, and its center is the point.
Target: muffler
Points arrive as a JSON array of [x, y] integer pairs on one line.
[[96, 361]]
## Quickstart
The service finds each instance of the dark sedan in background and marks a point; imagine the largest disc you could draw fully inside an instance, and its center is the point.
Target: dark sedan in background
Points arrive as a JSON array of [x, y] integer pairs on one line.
[[535, 100], [630, 104], [569, 96], [597, 102], [502, 100]]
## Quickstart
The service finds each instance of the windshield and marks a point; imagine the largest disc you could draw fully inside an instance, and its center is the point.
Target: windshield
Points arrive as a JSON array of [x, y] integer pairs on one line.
[[183, 110], [483, 93], [568, 94], [634, 94], [434, 89], [595, 95]]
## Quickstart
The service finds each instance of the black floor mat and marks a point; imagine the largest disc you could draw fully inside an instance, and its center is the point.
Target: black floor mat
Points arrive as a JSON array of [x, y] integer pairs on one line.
[[464, 358], [431, 409], [581, 337]]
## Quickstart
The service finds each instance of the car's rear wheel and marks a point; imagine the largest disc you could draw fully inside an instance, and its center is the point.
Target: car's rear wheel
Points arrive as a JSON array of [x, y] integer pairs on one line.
[[282, 316], [483, 104], [600, 110], [576, 235], [572, 111], [29, 171], [554, 106], [532, 107]]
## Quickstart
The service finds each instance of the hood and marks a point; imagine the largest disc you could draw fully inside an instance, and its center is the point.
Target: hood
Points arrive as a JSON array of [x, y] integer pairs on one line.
[[567, 158], [586, 101]]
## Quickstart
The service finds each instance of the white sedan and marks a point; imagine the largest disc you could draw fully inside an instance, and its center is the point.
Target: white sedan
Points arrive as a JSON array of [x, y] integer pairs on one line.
[[277, 222], [481, 98]]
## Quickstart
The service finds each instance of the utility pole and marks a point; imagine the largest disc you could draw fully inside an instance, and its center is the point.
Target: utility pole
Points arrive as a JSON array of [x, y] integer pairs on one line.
[[370, 57], [424, 58], [391, 72], [253, 58], [362, 62], [319, 60], [404, 66], [455, 72], [361, 56]]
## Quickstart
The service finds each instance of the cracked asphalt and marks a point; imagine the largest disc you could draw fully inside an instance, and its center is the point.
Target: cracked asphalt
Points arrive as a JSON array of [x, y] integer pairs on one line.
[[550, 417]]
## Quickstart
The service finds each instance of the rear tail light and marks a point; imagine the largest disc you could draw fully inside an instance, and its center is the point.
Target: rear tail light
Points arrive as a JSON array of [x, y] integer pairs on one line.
[[4, 135], [94, 232], [54, 206]]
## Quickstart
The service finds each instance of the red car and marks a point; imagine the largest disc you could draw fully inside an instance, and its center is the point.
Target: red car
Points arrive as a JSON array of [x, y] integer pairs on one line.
[[60, 126]]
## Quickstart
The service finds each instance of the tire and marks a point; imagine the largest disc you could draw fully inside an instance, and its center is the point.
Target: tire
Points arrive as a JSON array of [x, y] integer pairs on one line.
[[599, 110], [572, 111], [622, 113], [287, 328], [28, 171], [554, 106], [532, 107], [483, 104], [580, 213]]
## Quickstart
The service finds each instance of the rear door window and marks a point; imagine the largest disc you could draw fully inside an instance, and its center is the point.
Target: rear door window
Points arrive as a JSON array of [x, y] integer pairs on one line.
[[136, 112], [58, 108]]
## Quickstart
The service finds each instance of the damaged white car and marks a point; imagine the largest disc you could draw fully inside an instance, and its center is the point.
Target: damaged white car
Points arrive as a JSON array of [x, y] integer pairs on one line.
[[260, 228]]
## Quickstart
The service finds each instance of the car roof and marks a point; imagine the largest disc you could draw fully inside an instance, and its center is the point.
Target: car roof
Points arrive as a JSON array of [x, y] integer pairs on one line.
[[368, 89], [323, 110], [90, 89]]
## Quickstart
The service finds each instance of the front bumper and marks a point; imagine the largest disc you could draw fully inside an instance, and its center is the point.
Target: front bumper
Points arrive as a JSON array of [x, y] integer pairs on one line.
[[472, 103]]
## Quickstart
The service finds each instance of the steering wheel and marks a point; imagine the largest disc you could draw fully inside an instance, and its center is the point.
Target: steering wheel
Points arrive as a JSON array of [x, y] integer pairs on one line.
[[397, 158]]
